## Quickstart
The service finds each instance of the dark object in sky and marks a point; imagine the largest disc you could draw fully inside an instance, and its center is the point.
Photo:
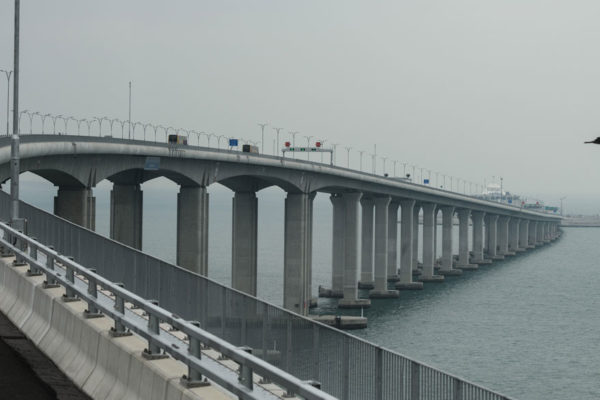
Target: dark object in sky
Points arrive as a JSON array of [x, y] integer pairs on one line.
[[595, 141]]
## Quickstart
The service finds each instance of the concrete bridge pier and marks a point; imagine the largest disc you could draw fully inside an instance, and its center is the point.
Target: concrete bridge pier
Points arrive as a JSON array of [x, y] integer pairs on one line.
[[366, 270], [393, 241], [126, 210], [463, 240], [76, 204], [381, 249], [513, 237], [429, 223], [192, 228], [503, 235], [415, 239], [532, 234], [337, 248], [523, 235], [546, 232], [477, 218], [244, 242], [350, 290], [406, 247], [539, 233], [447, 256], [297, 254], [491, 232]]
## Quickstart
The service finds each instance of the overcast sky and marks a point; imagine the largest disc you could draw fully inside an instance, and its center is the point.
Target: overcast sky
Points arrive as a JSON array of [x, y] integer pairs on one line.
[[471, 88]]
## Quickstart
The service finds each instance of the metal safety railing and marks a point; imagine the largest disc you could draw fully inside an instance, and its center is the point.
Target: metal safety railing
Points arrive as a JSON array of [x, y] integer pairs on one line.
[[347, 367], [61, 270]]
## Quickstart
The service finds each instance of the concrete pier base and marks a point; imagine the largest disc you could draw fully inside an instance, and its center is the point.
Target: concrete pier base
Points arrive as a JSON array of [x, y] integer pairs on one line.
[[354, 303], [331, 293], [366, 285], [482, 261], [409, 285], [451, 272], [467, 266], [344, 322], [432, 278], [393, 278], [383, 294]]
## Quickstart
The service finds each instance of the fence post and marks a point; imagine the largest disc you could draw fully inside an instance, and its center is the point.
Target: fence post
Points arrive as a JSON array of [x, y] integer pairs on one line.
[[194, 377], [265, 334], [69, 292], [316, 352], [458, 389], [153, 352], [92, 310], [415, 381], [50, 282], [378, 373], [246, 373], [346, 367], [33, 269], [119, 329]]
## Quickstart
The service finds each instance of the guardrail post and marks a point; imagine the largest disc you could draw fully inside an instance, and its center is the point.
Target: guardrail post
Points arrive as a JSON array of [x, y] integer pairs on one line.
[[5, 250], [246, 372], [50, 281], [19, 225], [92, 311], [119, 329], [415, 381], [458, 389], [194, 377], [153, 352], [69, 292], [33, 269]]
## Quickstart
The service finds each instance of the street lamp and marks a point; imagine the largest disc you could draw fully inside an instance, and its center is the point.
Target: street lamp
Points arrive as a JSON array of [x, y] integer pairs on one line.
[[562, 214], [395, 162], [262, 135], [501, 190], [334, 155], [348, 148], [323, 146], [8, 75], [360, 159], [384, 160], [277, 144], [294, 133], [308, 146]]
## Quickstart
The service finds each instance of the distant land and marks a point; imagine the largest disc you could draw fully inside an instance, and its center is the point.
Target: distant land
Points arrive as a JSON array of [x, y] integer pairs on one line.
[[581, 220]]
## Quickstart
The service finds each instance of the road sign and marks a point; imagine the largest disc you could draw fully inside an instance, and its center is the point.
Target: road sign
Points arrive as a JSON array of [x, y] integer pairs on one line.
[[233, 142], [426, 181]]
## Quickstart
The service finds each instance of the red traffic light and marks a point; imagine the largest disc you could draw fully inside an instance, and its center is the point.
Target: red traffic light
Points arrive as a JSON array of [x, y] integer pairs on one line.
[[318, 144], [287, 144]]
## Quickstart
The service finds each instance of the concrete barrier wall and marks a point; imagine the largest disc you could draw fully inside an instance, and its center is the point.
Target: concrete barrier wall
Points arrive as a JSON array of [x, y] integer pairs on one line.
[[102, 366]]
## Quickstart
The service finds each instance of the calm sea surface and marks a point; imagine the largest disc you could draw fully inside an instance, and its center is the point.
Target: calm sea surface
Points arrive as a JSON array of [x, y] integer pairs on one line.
[[528, 326]]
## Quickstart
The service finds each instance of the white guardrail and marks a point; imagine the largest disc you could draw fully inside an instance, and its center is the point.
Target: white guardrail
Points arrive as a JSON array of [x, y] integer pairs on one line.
[[83, 283]]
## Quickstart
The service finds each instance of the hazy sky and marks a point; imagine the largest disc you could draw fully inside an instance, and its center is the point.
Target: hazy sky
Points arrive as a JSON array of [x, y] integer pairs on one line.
[[471, 88]]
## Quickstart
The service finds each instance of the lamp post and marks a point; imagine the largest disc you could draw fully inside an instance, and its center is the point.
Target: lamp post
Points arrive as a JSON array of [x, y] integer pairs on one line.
[[501, 190], [348, 148], [334, 155], [294, 133], [395, 162], [404, 170], [308, 146], [360, 159], [8, 75], [384, 160], [277, 143], [562, 214], [323, 146], [262, 135], [15, 163]]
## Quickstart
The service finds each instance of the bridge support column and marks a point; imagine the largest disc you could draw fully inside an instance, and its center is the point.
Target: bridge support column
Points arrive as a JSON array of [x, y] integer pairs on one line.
[[406, 247], [337, 248], [126, 210], [381, 249], [192, 229], [503, 235], [244, 242], [491, 232], [539, 233], [297, 254], [513, 237], [447, 256], [477, 218], [350, 299], [429, 223], [547, 232], [76, 204], [393, 242], [366, 269], [415, 237], [532, 234], [524, 235], [463, 240]]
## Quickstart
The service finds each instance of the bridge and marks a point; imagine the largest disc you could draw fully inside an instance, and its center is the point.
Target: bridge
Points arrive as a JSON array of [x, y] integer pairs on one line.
[[76, 164]]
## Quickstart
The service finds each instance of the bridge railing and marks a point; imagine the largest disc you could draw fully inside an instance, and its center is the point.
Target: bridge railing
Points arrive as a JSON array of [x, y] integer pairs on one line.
[[346, 366]]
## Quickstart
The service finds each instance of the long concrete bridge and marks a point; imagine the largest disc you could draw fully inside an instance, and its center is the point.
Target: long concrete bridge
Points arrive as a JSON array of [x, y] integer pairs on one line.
[[76, 164]]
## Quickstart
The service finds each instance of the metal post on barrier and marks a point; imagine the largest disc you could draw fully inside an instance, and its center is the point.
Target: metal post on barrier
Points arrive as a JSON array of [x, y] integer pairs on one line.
[[33, 252], [153, 352], [246, 372], [6, 251], [458, 389], [92, 311], [69, 292], [19, 224], [119, 330], [194, 377], [50, 281], [415, 380]]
